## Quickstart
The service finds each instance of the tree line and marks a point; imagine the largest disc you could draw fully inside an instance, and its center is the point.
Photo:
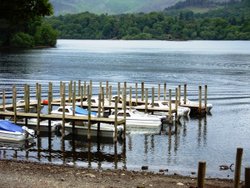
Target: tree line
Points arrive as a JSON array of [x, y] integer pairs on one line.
[[230, 23]]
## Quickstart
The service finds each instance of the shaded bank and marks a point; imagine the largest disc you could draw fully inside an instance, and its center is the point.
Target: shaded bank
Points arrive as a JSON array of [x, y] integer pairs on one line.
[[28, 174]]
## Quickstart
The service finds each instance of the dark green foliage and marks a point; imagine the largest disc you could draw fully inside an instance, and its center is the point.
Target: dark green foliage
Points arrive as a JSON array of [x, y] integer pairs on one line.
[[229, 23], [45, 35], [22, 40], [20, 19]]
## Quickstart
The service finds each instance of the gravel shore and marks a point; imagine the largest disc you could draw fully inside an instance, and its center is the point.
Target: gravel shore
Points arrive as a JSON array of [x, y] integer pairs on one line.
[[29, 174]]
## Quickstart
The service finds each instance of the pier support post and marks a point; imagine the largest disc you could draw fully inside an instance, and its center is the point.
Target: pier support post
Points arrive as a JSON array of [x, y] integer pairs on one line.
[[110, 95], [159, 92], [50, 99], [14, 94], [206, 99], [124, 108], [136, 93], [179, 94], [119, 90], [142, 91], [146, 101], [153, 97], [84, 89], [38, 108], [165, 91], [170, 106], [201, 174], [130, 97], [200, 99], [107, 89], [238, 167], [63, 112], [3, 101], [81, 96], [89, 113], [116, 102], [176, 103], [79, 88], [99, 113], [70, 91], [185, 93], [247, 177]]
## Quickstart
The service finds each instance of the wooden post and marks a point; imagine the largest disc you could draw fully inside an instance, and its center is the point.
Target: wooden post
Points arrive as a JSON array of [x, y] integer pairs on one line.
[[116, 102], [3, 102], [142, 91], [130, 97], [107, 89], [70, 91], [124, 108], [176, 103], [170, 106], [63, 114], [26, 107], [74, 103], [38, 108], [90, 87], [201, 174], [14, 102], [125, 92], [159, 92], [79, 88], [103, 99], [247, 177], [74, 89], [205, 101], [99, 113], [179, 94], [136, 93], [200, 99], [81, 98], [84, 89], [119, 90], [61, 87], [146, 102], [89, 113], [110, 95], [185, 93], [165, 91], [238, 167], [153, 97], [50, 97]]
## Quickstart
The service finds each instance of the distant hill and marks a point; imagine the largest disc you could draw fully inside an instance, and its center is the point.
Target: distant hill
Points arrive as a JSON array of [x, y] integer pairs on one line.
[[113, 6]]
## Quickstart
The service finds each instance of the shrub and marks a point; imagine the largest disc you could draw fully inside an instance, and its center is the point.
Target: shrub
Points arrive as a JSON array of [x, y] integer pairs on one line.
[[22, 40], [45, 35]]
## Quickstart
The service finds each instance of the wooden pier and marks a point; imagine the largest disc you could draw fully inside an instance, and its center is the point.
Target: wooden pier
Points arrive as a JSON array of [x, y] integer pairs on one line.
[[124, 98]]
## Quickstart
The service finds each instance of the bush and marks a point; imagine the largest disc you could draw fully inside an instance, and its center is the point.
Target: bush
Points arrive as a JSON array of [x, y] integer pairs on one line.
[[22, 40], [45, 35]]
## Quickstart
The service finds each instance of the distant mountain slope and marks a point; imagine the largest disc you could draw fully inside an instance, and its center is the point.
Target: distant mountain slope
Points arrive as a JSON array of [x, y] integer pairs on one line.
[[110, 6]]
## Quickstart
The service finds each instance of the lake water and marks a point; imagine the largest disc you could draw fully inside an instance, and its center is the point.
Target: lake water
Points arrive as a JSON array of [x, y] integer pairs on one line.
[[223, 65]]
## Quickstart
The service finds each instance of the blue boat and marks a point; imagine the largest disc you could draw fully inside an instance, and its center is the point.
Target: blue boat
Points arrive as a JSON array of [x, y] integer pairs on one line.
[[13, 132]]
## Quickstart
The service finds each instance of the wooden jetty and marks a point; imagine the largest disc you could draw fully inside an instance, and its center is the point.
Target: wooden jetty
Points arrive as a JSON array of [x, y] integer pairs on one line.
[[126, 97]]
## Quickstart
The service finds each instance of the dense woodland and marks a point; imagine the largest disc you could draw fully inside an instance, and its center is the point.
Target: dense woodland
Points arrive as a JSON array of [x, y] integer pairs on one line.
[[231, 22], [22, 25]]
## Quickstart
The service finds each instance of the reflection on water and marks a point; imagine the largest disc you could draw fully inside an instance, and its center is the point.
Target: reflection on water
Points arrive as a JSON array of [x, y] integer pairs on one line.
[[223, 65]]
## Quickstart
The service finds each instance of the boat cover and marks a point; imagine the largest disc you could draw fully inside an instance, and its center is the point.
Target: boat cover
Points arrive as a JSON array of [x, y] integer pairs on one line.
[[8, 126], [82, 111]]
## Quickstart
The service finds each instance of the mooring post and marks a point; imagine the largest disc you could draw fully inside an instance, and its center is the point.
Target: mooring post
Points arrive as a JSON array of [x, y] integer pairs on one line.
[[159, 92], [179, 94], [14, 102], [176, 103], [50, 99], [136, 93], [116, 102], [61, 87], [165, 91], [110, 95], [146, 101], [38, 108], [247, 177], [124, 108], [185, 93], [3, 102], [89, 113], [74, 89], [26, 107], [119, 90], [91, 87], [130, 97], [142, 91], [81, 97], [200, 99], [70, 91], [63, 114], [153, 97], [205, 100], [79, 88], [74, 103], [107, 89], [99, 113], [201, 174], [103, 99], [170, 106], [238, 167], [84, 89]]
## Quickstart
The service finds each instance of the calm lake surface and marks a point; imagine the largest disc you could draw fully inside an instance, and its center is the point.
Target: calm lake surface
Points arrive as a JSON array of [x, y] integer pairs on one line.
[[223, 65]]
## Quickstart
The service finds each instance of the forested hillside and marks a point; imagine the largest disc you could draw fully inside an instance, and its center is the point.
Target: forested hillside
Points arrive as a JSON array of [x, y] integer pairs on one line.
[[229, 23], [113, 6]]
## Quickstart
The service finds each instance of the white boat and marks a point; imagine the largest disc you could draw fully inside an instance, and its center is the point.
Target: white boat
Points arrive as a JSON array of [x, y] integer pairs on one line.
[[106, 130], [195, 104], [69, 111], [136, 119], [13, 132], [32, 108]]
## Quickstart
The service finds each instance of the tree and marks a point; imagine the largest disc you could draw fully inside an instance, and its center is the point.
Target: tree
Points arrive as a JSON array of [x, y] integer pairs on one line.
[[17, 16]]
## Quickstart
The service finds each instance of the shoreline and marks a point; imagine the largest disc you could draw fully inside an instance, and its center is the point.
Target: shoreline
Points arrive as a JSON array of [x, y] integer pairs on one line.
[[33, 174]]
